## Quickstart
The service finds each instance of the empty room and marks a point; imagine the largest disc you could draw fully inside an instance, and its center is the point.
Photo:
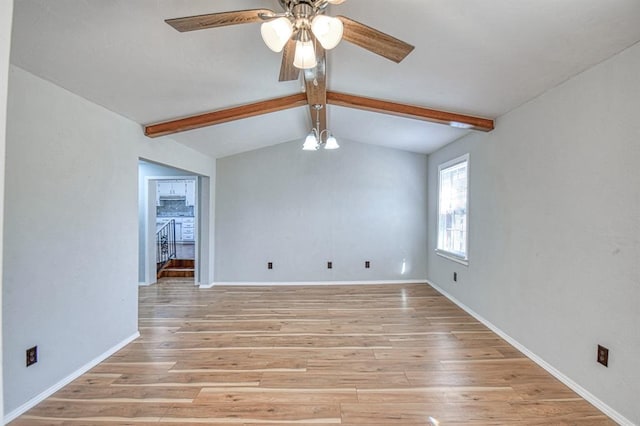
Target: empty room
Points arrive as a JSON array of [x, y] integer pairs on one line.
[[320, 212]]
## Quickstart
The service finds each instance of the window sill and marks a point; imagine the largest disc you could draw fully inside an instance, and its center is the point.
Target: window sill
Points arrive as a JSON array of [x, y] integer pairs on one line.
[[452, 257]]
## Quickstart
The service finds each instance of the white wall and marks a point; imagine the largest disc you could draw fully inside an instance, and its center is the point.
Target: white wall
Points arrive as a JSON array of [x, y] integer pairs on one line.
[[555, 228], [300, 209], [71, 173], [71, 221], [6, 15], [206, 243]]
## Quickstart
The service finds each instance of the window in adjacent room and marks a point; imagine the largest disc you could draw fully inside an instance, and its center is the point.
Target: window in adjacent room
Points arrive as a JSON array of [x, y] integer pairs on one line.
[[453, 202]]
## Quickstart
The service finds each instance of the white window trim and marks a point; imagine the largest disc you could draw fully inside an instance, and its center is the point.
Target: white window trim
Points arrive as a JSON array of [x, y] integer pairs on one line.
[[444, 253], [453, 257]]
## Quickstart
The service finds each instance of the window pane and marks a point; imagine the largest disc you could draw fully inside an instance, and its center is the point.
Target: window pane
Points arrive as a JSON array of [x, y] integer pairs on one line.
[[452, 209]]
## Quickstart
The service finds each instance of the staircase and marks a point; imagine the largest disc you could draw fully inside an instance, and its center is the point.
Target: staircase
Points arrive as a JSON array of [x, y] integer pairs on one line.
[[177, 268]]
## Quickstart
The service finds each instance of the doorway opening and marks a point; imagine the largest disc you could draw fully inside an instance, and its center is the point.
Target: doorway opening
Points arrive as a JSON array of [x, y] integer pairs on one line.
[[175, 241], [170, 214]]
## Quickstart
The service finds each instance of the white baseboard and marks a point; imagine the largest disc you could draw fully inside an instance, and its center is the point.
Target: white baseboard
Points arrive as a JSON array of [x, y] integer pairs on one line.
[[613, 414], [65, 381], [308, 283]]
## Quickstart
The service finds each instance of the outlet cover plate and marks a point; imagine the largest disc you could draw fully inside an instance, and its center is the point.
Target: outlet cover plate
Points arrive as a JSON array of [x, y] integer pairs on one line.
[[603, 355], [32, 356]]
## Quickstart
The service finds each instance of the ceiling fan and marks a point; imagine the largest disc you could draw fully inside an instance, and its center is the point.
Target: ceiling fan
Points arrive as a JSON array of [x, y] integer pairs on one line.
[[303, 31]]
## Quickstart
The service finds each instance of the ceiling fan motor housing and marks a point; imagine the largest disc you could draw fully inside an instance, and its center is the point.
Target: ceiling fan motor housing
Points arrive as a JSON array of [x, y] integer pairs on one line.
[[290, 4], [303, 13]]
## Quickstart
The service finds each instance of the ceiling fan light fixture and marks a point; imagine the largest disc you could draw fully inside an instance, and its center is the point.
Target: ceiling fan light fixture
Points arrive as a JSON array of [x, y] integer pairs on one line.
[[331, 143], [328, 30], [276, 33], [314, 138], [311, 142], [305, 56]]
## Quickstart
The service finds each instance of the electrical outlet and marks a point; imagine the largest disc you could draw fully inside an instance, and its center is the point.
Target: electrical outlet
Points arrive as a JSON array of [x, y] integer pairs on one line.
[[603, 355], [32, 356], [329, 265], [455, 276], [270, 265], [367, 264]]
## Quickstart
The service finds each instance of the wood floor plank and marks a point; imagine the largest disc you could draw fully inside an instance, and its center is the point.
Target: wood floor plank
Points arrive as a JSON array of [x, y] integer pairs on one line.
[[322, 355], [333, 379], [407, 412], [245, 412], [369, 366], [436, 354], [438, 394], [278, 395], [199, 380], [94, 393]]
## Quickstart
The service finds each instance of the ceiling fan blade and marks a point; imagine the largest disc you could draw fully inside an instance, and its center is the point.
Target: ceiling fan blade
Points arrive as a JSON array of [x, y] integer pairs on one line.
[[222, 19], [375, 41], [287, 71]]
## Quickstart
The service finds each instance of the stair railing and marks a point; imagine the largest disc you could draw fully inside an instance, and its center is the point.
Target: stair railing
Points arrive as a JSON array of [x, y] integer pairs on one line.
[[165, 244]]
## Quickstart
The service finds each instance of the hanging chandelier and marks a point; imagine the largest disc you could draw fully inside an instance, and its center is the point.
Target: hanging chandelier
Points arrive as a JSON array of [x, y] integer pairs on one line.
[[314, 139]]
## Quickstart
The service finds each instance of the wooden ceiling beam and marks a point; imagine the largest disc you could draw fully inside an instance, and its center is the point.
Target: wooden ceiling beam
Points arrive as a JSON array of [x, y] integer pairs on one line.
[[410, 111], [318, 95], [225, 115], [287, 71], [315, 80]]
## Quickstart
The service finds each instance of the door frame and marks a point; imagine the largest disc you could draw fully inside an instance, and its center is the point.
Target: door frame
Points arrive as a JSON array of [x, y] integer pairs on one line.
[[150, 196]]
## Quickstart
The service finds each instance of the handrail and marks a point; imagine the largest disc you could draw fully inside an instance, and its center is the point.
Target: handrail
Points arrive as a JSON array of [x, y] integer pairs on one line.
[[165, 244]]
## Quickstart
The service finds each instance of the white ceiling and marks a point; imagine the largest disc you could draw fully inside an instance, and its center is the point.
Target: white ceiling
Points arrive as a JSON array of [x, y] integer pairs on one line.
[[479, 57]]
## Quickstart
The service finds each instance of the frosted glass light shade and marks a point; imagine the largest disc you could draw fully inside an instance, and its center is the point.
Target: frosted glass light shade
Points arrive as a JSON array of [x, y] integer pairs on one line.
[[336, 1], [331, 143], [305, 56], [276, 33], [311, 142], [328, 30]]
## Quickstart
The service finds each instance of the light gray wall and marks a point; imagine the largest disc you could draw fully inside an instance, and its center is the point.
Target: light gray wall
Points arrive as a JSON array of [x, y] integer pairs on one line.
[[71, 231], [6, 15], [206, 211], [300, 209], [555, 228], [71, 173]]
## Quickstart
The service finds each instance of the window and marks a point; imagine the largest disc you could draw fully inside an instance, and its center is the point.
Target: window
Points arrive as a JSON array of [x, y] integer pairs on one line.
[[453, 182]]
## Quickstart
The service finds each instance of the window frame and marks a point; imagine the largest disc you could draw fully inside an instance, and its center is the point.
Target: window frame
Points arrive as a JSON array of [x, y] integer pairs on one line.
[[442, 252]]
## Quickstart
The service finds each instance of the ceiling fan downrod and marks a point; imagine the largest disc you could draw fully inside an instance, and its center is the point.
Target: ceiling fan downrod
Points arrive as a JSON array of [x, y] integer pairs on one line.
[[316, 5]]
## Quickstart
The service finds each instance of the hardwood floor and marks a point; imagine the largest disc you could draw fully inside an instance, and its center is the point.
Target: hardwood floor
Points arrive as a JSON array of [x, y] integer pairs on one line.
[[351, 355]]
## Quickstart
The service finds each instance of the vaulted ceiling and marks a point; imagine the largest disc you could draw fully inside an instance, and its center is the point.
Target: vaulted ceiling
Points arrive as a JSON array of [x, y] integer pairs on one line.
[[474, 57]]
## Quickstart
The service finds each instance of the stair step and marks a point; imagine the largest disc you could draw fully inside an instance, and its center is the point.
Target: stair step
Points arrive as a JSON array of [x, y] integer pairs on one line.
[[176, 273], [183, 263], [178, 268]]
